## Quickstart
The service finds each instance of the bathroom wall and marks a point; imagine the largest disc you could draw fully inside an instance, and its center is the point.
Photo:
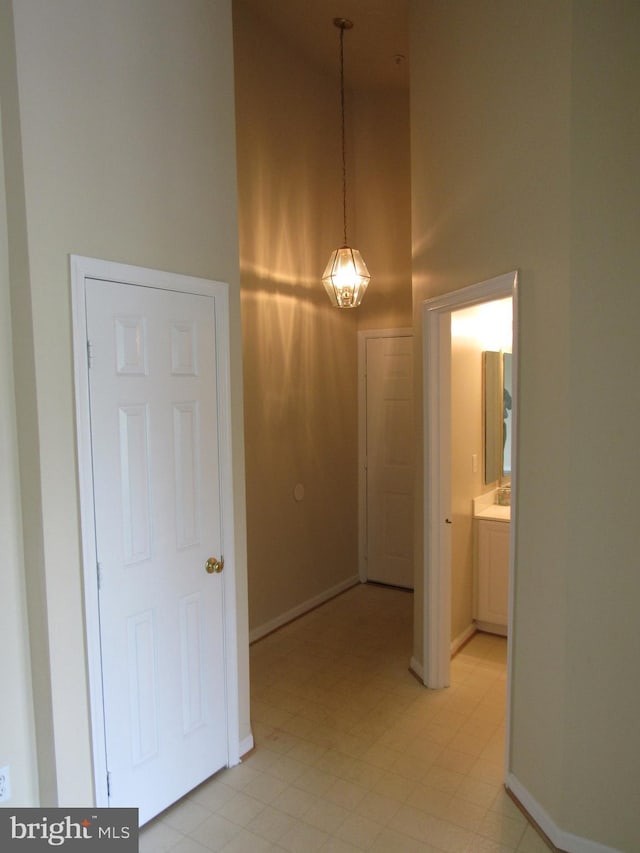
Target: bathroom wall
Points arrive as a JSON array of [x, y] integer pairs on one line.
[[473, 331]]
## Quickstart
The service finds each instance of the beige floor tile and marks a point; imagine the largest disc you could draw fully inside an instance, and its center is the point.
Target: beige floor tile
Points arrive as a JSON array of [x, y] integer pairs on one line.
[[411, 766], [185, 815], [353, 754], [430, 800], [157, 837], [315, 781], [280, 741], [334, 762], [465, 814], [453, 759], [338, 845], [271, 824], [215, 832], [351, 745], [413, 822], [395, 787], [294, 802], [360, 831], [242, 808], [503, 829], [212, 794], [265, 788], [239, 776], [443, 780], [478, 792], [378, 808], [247, 842], [189, 845], [532, 842], [380, 756], [470, 744], [303, 838], [326, 815], [347, 794], [287, 768], [299, 726], [487, 771], [362, 773], [391, 841], [307, 752], [269, 714], [260, 758], [503, 804]]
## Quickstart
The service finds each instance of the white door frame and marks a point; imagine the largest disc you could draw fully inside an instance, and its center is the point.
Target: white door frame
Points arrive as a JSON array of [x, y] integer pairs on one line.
[[89, 268], [363, 336], [436, 328]]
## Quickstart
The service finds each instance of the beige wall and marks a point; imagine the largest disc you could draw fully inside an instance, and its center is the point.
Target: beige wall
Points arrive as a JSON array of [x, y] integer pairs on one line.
[[300, 354], [379, 167], [128, 153], [499, 124], [17, 730], [602, 771]]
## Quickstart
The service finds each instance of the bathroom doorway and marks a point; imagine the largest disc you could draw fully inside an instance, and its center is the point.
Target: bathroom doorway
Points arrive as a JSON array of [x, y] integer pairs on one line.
[[437, 520]]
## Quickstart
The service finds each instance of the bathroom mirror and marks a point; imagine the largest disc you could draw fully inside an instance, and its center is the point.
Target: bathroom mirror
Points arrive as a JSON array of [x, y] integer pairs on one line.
[[497, 378]]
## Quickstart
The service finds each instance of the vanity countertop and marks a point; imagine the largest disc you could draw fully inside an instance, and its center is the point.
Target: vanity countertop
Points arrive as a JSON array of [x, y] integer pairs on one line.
[[494, 512]]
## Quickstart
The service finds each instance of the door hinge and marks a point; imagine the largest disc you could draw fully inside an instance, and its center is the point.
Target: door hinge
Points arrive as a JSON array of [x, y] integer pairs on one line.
[[89, 354], [108, 784], [99, 574]]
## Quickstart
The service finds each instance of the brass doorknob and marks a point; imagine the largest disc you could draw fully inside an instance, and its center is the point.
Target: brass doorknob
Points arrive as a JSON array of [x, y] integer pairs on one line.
[[214, 566]]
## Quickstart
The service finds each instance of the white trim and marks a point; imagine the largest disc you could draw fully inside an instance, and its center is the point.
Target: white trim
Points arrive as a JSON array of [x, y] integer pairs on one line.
[[562, 839], [81, 269], [246, 745], [416, 668], [436, 323], [363, 336], [462, 638], [273, 624]]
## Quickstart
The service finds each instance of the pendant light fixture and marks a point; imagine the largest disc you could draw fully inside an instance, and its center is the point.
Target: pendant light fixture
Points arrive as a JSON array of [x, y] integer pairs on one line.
[[346, 275]]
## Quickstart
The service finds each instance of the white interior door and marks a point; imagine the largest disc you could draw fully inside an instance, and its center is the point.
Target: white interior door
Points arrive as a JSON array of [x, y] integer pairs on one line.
[[154, 445], [389, 460]]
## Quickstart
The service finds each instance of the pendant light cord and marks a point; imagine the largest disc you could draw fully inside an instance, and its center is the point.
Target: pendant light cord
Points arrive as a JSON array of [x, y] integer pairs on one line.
[[344, 154]]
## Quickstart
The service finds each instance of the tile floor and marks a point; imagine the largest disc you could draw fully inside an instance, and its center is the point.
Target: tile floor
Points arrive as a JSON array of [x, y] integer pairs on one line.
[[353, 754]]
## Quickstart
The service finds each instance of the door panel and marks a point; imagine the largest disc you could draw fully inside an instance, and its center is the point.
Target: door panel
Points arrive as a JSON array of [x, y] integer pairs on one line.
[[154, 434], [389, 437]]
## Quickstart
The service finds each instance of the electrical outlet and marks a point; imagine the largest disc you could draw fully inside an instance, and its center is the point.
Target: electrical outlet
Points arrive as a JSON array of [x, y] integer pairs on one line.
[[5, 784]]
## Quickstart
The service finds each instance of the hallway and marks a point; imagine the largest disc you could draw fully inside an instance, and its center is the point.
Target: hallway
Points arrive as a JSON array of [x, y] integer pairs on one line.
[[353, 753]]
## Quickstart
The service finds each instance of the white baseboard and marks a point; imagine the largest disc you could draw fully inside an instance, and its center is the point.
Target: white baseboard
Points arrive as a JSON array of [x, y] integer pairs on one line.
[[416, 668], [300, 609], [246, 745], [492, 628], [462, 638], [562, 839]]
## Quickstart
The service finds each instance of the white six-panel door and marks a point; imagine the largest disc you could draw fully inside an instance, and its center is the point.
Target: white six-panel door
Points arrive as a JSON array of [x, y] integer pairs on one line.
[[389, 459], [155, 457]]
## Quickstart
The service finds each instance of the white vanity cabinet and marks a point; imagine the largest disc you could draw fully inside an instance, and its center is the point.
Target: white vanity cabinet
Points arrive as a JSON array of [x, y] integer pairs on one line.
[[491, 603]]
